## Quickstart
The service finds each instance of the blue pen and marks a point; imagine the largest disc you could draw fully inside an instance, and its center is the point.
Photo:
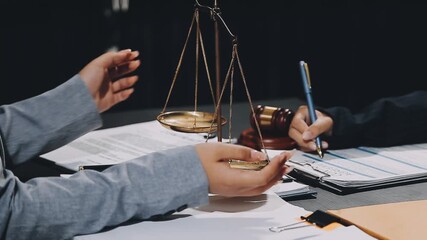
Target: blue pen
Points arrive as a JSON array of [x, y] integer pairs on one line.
[[311, 111]]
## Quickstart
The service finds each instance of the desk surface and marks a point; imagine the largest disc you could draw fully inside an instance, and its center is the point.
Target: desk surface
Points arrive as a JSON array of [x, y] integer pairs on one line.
[[325, 200]]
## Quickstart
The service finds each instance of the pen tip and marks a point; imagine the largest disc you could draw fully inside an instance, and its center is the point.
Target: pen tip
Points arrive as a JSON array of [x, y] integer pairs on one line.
[[319, 152]]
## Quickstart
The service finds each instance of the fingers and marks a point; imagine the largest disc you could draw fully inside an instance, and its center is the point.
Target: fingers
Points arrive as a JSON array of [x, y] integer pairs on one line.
[[261, 189], [124, 83], [298, 126], [256, 182], [123, 95], [320, 126], [113, 59], [124, 68], [226, 151], [122, 89], [228, 181], [303, 134], [256, 190], [263, 178], [278, 162], [323, 125]]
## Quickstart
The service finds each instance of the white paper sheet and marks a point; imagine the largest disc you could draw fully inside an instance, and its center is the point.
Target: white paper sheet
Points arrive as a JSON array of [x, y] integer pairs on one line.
[[290, 188], [116, 145], [247, 218]]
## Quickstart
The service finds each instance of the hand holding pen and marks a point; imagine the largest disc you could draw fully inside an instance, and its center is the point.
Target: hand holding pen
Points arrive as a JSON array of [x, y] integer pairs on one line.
[[298, 129], [304, 134]]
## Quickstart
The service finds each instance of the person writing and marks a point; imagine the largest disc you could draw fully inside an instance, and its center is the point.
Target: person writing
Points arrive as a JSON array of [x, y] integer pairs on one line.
[[386, 122], [146, 187]]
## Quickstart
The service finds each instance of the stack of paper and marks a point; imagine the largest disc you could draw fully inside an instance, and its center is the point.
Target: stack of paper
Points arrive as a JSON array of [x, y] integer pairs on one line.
[[293, 190], [364, 167]]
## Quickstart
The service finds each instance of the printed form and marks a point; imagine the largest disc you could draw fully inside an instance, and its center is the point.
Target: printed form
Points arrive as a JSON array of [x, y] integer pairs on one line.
[[364, 165], [116, 145]]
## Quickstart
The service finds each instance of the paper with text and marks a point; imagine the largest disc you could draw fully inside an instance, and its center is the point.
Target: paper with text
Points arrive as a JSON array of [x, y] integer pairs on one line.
[[116, 145], [364, 165]]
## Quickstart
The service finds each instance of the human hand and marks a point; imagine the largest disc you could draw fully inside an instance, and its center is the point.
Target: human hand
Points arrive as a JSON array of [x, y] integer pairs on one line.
[[104, 77], [303, 134], [228, 181]]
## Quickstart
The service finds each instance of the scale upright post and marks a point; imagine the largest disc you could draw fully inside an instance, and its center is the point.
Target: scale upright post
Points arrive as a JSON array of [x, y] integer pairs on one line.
[[186, 121], [217, 69]]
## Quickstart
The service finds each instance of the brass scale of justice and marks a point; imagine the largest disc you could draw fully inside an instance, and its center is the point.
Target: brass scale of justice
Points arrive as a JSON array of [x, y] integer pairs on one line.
[[205, 122]]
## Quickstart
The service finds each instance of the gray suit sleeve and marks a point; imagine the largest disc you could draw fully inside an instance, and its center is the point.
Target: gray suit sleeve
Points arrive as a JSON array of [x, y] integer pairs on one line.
[[48, 121], [59, 208]]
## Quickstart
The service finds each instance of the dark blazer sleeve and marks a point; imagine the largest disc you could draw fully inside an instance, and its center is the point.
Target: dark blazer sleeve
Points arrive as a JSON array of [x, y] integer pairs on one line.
[[386, 122]]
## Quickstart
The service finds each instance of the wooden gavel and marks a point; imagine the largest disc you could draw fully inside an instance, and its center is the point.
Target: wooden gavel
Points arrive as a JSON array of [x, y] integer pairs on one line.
[[272, 120], [274, 126]]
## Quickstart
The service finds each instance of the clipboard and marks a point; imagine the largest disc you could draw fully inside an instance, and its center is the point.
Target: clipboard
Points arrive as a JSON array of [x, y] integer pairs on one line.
[[344, 190], [352, 170]]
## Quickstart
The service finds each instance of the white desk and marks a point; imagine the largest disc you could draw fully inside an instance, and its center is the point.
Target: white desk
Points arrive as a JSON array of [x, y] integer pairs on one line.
[[230, 218]]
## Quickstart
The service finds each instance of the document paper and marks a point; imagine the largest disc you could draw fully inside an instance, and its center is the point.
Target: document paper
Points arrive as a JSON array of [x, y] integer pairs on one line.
[[231, 218], [363, 166], [116, 145]]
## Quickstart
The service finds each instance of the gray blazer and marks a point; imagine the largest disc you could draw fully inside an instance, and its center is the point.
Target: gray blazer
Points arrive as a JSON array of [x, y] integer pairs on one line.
[[60, 208]]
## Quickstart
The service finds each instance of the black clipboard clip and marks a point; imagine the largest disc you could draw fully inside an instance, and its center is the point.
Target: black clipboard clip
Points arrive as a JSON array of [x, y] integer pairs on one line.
[[98, 168], [304, 164], [318, 218]]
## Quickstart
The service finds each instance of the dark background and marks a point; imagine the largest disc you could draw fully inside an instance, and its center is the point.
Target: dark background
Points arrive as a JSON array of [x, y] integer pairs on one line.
[[358, 50]]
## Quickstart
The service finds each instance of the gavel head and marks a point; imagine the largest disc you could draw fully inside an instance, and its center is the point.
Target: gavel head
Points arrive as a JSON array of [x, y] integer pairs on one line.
[[272, 120]]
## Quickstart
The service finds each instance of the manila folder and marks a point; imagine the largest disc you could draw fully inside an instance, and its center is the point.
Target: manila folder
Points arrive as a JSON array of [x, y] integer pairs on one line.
[[403, 220]]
